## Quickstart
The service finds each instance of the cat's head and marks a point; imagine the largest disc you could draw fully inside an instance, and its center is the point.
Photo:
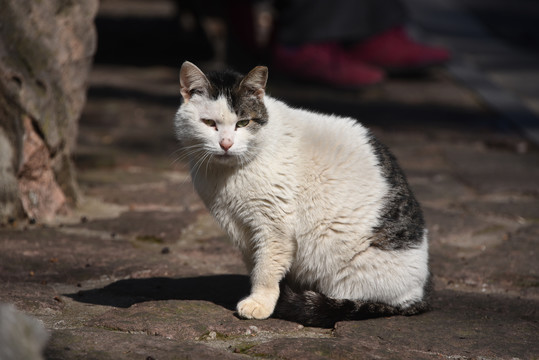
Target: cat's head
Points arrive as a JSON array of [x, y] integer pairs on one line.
[[222, 114]]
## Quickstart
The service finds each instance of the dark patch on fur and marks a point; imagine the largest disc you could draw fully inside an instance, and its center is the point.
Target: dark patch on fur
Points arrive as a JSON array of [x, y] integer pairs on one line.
[[311, 308], [240, 100], [401, 221], [222, 83]]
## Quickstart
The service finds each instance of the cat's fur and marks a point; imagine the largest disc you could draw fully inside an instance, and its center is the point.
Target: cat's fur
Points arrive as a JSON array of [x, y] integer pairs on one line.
[[312, 198]]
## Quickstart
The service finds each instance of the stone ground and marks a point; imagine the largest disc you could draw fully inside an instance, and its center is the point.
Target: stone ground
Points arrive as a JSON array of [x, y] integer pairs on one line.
[[141, 271]]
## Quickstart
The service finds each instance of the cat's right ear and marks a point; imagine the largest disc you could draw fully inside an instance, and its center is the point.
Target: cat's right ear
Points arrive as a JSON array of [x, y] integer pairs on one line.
[[192, 81]]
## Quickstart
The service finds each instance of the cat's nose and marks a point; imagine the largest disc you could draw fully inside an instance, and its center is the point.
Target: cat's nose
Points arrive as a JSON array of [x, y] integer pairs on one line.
[[226, 144]]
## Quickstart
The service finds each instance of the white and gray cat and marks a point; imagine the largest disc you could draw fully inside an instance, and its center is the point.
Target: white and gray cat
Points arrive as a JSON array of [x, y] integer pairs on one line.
[[311, 199]]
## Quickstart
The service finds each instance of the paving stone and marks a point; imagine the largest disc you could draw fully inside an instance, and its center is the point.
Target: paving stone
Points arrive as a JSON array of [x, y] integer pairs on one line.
[[317, 349], [439, 190], [186, 320], [496, 171], [520, 209], [102, 344], [465, 326], [463, 231], [223, 289], [158, 227], [29, 297]]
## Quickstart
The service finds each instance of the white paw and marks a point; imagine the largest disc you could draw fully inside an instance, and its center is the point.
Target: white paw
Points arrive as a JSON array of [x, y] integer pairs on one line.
[[251, 308]]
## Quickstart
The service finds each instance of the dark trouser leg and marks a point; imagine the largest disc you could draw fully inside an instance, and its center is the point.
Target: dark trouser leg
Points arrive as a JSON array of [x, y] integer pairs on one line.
[[308, 21]]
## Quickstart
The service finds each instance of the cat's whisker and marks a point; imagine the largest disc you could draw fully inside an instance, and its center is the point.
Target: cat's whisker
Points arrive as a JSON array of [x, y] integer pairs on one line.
[[176, 151], [208, 163], [243, 160], [199, 163], [185, 148], [195, 167], [188, 153]]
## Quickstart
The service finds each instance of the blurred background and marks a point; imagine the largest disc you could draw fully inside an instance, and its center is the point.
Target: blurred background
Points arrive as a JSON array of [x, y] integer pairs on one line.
[[489, 85]]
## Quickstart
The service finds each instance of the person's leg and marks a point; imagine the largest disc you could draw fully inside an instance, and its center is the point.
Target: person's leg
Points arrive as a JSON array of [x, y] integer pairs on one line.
[[311, 33], [315, 21], [347, 43], [394, 51], [326, 63]]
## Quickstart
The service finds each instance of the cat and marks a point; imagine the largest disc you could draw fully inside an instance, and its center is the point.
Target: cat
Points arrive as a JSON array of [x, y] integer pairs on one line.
[[311, 199]]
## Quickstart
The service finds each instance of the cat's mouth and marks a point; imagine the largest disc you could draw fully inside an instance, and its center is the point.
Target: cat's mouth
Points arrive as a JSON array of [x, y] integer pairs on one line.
[[224, 157]]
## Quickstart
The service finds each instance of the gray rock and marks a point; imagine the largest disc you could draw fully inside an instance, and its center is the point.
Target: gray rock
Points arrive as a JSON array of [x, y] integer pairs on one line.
[[21, 336], [46, 50]]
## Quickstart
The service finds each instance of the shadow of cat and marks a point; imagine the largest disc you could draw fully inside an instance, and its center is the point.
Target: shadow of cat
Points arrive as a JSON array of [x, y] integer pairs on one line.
[[223, 290]]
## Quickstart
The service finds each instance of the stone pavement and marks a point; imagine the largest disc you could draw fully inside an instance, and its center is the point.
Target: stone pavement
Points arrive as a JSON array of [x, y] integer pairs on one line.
[[141, 271]]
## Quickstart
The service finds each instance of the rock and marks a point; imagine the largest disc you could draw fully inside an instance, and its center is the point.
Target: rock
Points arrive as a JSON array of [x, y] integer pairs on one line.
[[46, 50], [40, 194], [21, 336]]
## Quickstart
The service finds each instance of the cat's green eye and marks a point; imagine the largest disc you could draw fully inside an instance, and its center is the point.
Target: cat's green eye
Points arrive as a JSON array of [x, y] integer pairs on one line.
[[210, 123], [242, 123]]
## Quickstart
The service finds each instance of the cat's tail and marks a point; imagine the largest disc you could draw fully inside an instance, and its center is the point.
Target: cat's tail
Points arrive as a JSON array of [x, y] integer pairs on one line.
[[311, 308]]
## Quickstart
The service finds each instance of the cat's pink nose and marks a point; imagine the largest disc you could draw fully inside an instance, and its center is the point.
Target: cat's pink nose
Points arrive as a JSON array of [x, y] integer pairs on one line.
[[226, 144]]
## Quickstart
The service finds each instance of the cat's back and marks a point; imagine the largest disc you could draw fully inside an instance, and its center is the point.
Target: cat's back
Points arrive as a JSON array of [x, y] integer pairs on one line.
[[340, 178], [326, 142]]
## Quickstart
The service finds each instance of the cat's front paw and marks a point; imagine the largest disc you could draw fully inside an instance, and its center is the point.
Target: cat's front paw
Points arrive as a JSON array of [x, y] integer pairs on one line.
[[255, 308]]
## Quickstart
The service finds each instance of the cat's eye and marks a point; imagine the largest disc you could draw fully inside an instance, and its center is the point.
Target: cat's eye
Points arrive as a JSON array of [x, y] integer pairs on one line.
[[210, 123], [242, 123]]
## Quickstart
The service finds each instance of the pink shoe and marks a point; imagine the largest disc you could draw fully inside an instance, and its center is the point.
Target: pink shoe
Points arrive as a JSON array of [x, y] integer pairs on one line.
[[393, 50], [326, 63]]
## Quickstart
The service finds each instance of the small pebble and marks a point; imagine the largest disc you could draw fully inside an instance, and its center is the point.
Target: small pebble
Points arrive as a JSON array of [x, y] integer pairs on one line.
[[253, 328]]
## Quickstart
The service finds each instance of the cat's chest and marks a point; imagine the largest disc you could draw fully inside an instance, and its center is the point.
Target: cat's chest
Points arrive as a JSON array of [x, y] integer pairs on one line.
[[238, 194], [246, 198], [226, 196]]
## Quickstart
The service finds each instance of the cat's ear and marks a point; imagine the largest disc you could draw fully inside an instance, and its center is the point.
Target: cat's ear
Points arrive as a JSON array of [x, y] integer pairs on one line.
[[192, 81], [255, 81]]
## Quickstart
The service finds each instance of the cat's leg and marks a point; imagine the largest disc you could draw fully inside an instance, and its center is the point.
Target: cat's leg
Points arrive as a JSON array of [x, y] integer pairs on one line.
[[271, 261]]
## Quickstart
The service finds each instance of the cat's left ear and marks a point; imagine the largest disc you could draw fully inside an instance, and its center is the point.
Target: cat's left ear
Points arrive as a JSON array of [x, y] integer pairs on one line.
[[255, 81]]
